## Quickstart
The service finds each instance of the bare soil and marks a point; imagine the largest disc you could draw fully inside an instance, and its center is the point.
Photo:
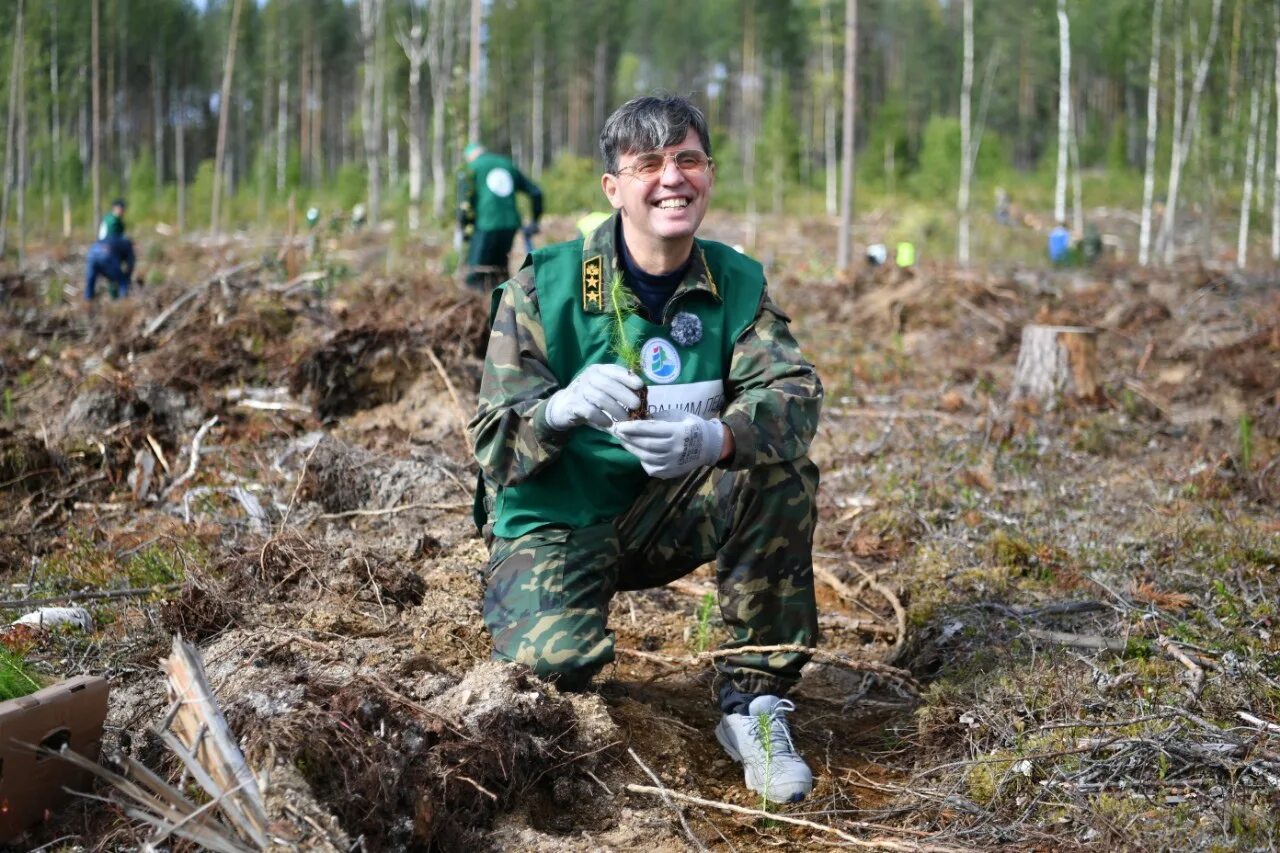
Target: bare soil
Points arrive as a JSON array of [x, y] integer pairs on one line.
[[1051, 626]]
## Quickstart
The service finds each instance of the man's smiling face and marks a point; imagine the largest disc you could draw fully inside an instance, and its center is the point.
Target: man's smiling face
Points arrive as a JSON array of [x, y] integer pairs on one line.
[[668, 208]]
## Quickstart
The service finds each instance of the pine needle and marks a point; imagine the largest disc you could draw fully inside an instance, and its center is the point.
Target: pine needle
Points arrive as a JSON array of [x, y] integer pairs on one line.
[[623, 305]]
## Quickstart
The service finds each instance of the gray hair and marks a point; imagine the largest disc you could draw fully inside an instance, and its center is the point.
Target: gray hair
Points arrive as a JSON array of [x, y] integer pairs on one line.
[[649, 122]]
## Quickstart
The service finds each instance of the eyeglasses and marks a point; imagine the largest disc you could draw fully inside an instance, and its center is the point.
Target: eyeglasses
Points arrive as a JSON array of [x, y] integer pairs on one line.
[[648, 167]]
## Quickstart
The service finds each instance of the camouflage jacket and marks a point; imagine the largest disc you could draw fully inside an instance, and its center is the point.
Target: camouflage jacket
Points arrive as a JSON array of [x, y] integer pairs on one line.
[[773, 395]]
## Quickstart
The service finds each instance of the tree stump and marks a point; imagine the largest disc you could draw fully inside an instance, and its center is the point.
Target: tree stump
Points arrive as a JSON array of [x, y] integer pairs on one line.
[[1057, 362]]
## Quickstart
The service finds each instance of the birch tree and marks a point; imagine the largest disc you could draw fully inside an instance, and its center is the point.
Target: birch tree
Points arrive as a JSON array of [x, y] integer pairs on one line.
[[966, 135], [1275, 173], [370, 112], [1153, 116], [96, 142], [844, 251], [473, 100], [224, 118], [829, 109], [440, 45], [1246, 199], [1064, 112], [414, 46], [11, 130], [1182, 143]]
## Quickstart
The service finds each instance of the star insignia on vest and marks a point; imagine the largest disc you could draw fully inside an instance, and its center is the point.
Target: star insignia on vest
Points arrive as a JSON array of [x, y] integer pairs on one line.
[[592, 291]]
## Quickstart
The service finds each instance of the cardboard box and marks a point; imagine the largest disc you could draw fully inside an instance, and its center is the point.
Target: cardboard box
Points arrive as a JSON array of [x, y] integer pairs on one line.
[[32, 786]]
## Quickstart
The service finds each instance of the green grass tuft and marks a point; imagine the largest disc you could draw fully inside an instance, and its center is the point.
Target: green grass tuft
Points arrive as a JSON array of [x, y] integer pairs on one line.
[[16, 680]]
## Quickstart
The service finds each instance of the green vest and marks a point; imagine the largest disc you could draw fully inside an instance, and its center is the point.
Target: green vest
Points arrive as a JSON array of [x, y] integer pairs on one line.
[[594, 479], [495, 181]]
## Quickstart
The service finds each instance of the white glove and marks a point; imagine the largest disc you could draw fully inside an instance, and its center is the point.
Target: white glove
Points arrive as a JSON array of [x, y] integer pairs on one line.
[[599, 395], [672, 443]]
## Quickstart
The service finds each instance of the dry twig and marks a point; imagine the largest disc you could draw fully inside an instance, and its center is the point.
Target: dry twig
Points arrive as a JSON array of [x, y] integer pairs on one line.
[[666, 798], [868, 843]]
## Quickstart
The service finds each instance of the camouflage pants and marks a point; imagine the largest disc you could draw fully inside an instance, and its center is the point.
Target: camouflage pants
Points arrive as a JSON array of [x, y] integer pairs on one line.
[[547, 593]]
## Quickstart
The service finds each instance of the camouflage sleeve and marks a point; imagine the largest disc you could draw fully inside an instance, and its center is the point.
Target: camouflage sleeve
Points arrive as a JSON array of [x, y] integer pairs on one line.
[[774, 395], [510, 431]]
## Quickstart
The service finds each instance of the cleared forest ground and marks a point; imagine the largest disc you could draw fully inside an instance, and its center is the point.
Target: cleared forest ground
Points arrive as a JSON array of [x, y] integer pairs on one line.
[[1047, 629]]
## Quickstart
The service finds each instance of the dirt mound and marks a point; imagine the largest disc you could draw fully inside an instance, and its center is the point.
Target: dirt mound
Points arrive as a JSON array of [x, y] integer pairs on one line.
[[368, 365], [343, 478], [404, 773]]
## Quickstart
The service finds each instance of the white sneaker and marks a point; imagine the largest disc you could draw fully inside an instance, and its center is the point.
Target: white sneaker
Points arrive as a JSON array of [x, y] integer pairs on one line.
[[761, 740]]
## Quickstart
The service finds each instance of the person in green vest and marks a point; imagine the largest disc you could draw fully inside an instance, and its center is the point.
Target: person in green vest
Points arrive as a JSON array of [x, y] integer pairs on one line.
[[113, 221], [578, 501], [487, 212]]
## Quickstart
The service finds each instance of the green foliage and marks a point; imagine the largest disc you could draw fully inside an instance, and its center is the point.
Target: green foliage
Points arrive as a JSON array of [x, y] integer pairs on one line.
[[702, 625], [938, 173], [350, 185], [623, 305], [142, 186], [16, 678], [154, 566], [778, 150], [200, 195], [1244, 435], [572, 186]]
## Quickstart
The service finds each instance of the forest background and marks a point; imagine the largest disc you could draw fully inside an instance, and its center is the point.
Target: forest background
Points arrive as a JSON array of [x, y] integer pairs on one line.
[[336, 103]]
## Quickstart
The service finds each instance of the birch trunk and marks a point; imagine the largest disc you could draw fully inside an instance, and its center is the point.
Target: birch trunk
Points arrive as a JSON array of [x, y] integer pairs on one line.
[[21, 187], [1246, 200], [157, 123], [96, 148], [415, 50], [844, 253], [1077, 189], [473, 97], [539, 98], [1064, 112], [59, 179], [370, 108], [966, 137], [1153, 117], [10, 131], [180, 165], [1275, 171], [224, 117], [751, 86], [1260, 158], [830, 156], [439, 46], [282, 134], [1182, 145]]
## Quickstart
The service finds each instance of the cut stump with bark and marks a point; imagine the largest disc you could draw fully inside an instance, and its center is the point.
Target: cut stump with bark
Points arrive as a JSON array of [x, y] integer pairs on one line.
[[1056, 362]]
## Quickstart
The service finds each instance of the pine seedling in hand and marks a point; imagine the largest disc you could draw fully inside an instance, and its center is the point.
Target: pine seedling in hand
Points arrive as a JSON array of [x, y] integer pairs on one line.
[[622, 306]]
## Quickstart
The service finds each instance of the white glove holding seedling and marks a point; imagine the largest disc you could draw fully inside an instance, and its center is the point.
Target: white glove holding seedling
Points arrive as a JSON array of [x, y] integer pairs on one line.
[[671, 444], [599, 395]]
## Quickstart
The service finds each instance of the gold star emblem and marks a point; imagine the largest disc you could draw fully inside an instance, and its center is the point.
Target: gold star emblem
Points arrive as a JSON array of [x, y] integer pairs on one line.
[[592, 293]]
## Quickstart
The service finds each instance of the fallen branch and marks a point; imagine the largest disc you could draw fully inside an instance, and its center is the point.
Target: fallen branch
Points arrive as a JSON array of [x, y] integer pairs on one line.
[[457, 403], [899, 613], [195, 457], [155, 325], [207, 747], [1080, 641], [869, 843], [134, 592], [394, 509], [1258, 722], [666, 798], [1197, 674]]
